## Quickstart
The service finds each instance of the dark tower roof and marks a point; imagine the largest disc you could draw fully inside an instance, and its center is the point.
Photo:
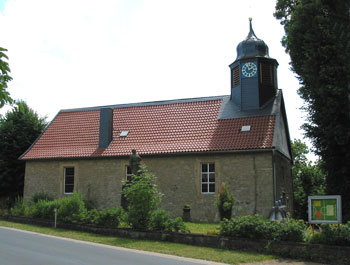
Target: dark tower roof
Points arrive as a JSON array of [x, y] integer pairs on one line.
[[252, 46]]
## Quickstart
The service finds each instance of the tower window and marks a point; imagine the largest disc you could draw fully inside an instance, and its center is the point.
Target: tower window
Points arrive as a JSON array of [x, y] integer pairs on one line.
[[266, 74], [235, 76]]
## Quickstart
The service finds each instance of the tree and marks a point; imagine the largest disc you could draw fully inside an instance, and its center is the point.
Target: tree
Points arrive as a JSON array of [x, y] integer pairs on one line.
[[308, 179], [4, 79], [225, 202], [143, 197], [18, 130], [317, 38]]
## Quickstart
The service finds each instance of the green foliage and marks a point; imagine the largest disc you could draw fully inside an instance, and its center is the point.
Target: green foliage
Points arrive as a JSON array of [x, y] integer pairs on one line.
[[110, 217], [257, 227], [161, 221], [333, 235], [18, 130], [317, 38], [90, 203], [71, 209], [43, 209], [42, 196], [4, 79], [308, 179], [225, 202], [143, 198], [19, 208]]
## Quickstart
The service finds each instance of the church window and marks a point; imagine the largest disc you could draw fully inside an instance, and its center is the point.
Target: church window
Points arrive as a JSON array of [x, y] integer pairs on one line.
[[128, 173], [208, 177], [68, 180]]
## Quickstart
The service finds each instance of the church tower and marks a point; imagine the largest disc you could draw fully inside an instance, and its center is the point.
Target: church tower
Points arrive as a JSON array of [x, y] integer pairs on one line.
[[253, 74]]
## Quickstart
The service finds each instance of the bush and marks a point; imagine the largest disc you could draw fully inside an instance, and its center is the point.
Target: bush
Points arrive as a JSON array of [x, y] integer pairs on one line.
[[41, 196], [161, 221], [292, 230], [92, 217], [256, 227], [110, 217], [71, 209], [225, 202], [20, 207], [177, 225], [143, 197], [43, 209], [333, 235]]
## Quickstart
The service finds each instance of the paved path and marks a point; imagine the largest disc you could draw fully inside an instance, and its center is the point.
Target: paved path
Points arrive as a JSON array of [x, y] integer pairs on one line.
[[18, 247]]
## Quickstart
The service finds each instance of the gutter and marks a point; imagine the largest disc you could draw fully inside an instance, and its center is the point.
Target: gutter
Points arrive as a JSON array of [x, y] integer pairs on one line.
[[152, 155]]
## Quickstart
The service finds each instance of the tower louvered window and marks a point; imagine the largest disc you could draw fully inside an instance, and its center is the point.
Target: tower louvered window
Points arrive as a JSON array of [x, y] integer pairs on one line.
[[235, 76], [266, 74]]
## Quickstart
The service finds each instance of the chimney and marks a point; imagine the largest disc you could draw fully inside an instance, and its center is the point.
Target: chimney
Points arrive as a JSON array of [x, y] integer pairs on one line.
[[106, 127]]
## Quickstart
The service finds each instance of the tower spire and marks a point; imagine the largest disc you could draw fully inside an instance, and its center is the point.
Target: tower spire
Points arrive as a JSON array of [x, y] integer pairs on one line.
[[251, 33]]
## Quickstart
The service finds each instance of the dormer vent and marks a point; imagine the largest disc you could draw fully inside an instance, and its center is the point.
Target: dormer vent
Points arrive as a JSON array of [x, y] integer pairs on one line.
[[245, 128], [124, 134]]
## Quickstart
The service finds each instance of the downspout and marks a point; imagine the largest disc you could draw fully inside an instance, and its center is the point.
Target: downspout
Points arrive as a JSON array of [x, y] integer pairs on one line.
[[255, 186], [274, 176]]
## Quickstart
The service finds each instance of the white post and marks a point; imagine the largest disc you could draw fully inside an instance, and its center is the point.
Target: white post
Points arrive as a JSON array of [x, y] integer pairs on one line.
[[55, 210]]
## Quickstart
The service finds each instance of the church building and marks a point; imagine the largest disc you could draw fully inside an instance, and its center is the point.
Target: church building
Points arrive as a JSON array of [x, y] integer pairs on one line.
[[191, 145]]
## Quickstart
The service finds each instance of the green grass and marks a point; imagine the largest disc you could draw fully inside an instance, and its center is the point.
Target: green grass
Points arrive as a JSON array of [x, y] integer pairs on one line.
[[210, 254], [202, 228]]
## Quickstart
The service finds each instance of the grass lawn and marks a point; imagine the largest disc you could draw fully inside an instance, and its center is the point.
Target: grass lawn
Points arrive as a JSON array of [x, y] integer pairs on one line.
[[202, 228], [211, 254]]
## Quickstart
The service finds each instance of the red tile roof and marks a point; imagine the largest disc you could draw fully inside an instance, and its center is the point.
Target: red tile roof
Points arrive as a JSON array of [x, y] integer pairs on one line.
[[153, 129]]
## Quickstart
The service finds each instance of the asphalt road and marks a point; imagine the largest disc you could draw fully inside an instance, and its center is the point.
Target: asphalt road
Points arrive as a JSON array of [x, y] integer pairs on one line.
[[27, 248]]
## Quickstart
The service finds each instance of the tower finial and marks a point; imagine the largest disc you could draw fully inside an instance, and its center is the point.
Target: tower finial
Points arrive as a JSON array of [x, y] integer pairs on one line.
[[251, 31]]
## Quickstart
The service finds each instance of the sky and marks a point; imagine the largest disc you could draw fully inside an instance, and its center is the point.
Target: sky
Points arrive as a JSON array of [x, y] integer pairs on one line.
[[67, 54]]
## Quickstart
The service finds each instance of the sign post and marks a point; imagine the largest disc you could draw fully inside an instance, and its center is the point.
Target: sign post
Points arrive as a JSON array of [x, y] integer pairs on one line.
[[325, 209]]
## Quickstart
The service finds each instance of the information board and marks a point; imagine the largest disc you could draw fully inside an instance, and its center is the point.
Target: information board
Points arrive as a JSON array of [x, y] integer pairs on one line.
[[324, 209]]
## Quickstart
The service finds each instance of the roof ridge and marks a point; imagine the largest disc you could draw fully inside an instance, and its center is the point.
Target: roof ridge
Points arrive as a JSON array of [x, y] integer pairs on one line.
[[150, 103]]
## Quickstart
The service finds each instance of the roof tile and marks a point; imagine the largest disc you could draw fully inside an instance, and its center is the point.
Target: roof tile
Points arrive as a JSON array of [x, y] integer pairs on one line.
[[153, 129]]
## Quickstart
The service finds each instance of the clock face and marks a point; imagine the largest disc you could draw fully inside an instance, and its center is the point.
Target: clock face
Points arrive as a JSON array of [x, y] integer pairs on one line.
[[249, 69]]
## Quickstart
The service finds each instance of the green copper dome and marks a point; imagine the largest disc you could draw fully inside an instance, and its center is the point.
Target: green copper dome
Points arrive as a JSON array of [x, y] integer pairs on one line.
[[252, 46]]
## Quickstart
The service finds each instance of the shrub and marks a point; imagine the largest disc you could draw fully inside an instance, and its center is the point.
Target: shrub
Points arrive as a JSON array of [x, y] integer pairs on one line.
[[19, 208], [41, 196], [161, 221], [256, 227], [332, 234], [177, 225], [110, 217], [89, 202], [43, 209], [71, 209], [92, 217], [292, 230], [225, 202], [143, 197]]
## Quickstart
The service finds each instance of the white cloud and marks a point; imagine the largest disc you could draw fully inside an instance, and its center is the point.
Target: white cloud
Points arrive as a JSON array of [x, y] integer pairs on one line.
[[67, 54]]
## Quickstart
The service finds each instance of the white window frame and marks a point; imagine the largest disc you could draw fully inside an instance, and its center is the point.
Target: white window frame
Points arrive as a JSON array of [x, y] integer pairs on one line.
[[64, 180], [208, 182], [127, 176]]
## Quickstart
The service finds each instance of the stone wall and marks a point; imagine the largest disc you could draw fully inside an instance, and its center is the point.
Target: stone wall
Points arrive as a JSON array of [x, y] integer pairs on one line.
[[296, 250], [249, 175]]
